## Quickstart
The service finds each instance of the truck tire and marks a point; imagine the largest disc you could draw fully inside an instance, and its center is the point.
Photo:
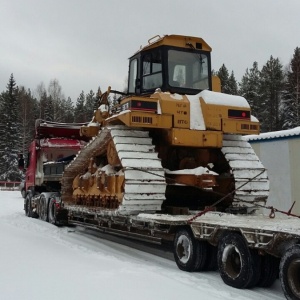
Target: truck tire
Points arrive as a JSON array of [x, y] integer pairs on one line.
[[256, 266], [269, 270], [289, 273], [28, 208], [52, 211], [236, 262], [43, 215], [189, 254]]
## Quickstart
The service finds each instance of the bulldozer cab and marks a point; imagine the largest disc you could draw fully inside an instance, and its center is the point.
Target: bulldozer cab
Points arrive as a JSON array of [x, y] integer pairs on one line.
[[173, 63]]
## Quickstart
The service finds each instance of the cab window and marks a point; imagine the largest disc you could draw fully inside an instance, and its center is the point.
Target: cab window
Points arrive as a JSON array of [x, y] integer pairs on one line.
[[188, 70], [132, 76], [152, 70]]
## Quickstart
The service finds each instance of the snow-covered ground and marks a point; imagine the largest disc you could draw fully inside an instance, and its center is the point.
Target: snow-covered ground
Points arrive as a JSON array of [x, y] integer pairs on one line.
[[41, 261]]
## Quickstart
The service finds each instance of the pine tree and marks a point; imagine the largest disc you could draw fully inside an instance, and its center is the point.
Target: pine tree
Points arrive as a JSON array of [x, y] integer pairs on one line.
[[59, 109], [2, 134], [271, 86], [10, 138], [90, 105], [232, 84], [49, 111], [291, 102], [45, 108], [249, 88], [28, 113], [41, 96], [68, 108], [114, 101], [223, 74], [97, 101], [79, 112]]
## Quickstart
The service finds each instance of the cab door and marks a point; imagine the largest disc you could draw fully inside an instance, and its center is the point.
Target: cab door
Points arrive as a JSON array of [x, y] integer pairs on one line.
[[31, 166]]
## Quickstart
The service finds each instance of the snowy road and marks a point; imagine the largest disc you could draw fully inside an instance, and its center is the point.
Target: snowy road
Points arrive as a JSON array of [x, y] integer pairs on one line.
[[41, 261]]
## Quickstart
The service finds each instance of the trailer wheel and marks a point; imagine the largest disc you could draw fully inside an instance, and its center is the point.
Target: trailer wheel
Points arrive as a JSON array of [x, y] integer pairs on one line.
[[201, 256], [269, 270], [211, 260], [235, 261], [256, 266], [189, 254], [52, 211], [289, 273], [43, 208], [28, 208]]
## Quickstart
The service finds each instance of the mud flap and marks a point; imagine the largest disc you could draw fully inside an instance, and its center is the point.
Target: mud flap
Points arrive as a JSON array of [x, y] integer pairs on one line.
[[62, 217]]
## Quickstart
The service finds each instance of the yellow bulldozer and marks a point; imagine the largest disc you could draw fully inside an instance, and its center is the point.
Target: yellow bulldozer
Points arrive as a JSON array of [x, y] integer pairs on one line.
[[172, 143]]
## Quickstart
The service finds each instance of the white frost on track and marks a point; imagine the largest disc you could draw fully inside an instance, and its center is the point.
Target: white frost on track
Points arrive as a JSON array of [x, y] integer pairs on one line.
[[197, 171], [249, 173], [132, 146]]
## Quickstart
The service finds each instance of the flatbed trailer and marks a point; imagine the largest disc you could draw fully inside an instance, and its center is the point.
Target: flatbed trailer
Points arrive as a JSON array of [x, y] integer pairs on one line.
[[248, 250]]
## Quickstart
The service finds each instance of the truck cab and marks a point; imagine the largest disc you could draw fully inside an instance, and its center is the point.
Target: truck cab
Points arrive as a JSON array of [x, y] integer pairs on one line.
[[54, 146], [46, 160]]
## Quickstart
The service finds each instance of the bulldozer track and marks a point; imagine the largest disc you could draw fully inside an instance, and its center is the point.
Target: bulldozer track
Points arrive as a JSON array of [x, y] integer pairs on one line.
[[245, 165], [144, 191], [145, 183]]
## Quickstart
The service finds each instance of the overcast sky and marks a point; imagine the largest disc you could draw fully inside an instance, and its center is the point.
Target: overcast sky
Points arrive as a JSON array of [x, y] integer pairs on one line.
[[86, 43]]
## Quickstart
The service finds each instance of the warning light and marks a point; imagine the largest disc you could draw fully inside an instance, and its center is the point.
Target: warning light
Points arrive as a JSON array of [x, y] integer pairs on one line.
[[238, 114], [143, 105]]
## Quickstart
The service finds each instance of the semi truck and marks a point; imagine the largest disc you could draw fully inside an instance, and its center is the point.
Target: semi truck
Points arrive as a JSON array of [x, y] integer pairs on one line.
[[53, 147], [167, 163]]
